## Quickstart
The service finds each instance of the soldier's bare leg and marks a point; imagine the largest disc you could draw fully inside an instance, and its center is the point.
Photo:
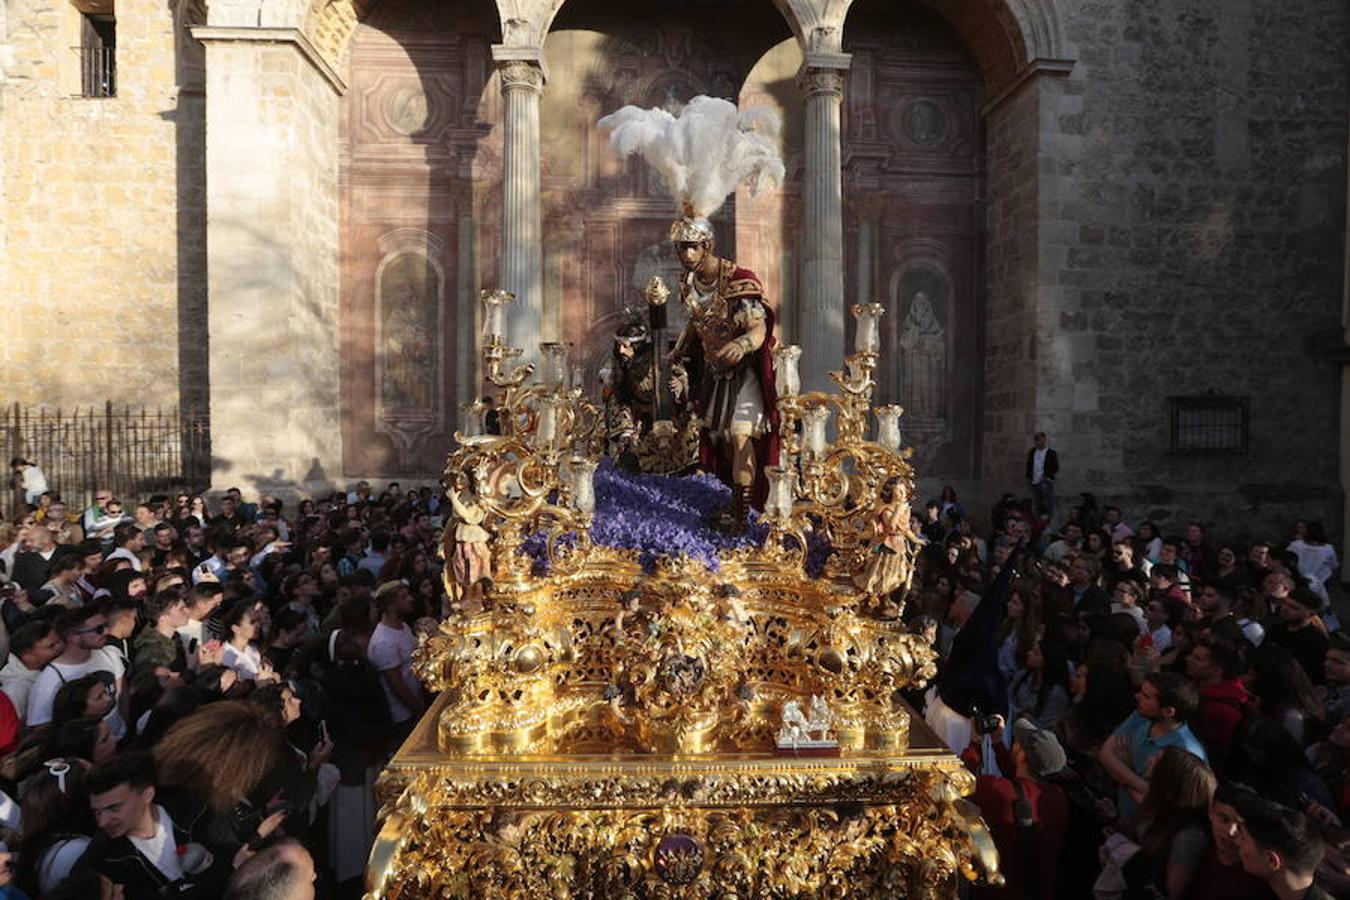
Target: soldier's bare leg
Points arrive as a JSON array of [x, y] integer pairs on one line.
[[743, 460]]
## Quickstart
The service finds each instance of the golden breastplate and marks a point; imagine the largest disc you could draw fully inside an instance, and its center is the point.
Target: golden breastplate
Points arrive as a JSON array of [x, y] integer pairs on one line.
[[715, 326]]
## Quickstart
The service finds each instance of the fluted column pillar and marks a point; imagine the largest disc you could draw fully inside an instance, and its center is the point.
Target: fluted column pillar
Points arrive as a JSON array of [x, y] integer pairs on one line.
[[821, 315], [522, 253]]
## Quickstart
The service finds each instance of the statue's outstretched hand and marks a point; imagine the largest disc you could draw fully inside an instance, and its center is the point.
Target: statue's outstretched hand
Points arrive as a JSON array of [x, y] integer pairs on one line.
[[730, 353]]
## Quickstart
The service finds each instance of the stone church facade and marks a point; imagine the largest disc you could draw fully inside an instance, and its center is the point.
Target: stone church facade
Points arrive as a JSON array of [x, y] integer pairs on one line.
[[1122, 223]]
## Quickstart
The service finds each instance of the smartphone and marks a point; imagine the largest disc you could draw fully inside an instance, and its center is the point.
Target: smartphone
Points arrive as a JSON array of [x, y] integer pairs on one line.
[[323, 728]]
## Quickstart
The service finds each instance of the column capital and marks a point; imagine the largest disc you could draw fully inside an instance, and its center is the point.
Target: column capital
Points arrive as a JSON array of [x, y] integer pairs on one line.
[[521, 68], [823, 73]]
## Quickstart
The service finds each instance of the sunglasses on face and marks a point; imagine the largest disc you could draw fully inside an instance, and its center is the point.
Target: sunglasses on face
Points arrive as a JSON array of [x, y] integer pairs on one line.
[[92, 629]]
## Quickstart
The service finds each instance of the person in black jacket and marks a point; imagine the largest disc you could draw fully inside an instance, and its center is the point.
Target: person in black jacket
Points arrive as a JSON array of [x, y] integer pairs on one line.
[[970, 684], [1042, 469], [33, 566], [153, 845]]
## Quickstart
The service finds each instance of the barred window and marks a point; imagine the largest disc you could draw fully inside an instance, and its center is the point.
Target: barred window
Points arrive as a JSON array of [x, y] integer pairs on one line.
[[98, 55], [1208, 423]]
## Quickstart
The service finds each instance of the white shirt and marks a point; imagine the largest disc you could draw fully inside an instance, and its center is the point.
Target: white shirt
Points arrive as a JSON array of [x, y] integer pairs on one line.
[[17, 681], [188, 634], [7, 558], [246, 663], [373, 563], [1058, 550], [55, 674], [257, 558], [124, 553], [392, 649], [1316, 562], [34, 485], [161, 849], [1038, 465], [11, 814], [58, 861], [1134, 611], [1162, 638]]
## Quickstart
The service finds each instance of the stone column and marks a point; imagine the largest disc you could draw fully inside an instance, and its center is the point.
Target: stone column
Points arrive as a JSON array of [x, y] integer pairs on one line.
[[522, 256], [821, 296]]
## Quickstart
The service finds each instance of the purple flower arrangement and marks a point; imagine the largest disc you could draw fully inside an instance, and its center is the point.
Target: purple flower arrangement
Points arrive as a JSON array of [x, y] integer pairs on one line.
[[666, 515]]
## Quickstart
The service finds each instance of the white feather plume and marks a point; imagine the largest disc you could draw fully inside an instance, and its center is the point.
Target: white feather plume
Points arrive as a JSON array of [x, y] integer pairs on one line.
[[704, 153]]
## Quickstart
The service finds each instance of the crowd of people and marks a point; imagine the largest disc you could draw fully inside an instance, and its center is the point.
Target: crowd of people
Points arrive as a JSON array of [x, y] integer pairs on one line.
[[1149, 714], [197, 696]]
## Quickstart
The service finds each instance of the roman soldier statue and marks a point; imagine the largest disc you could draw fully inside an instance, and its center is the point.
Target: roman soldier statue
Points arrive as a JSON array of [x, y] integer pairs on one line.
[[702, 155], [728, 350]]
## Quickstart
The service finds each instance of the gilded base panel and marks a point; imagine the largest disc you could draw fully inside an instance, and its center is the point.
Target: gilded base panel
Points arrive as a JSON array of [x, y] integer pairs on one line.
[[647, 825]]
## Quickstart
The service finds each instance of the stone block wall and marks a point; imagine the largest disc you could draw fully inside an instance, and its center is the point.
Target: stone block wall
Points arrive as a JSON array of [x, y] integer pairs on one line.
[[1191, 220], [101, 214], [1010, 412]]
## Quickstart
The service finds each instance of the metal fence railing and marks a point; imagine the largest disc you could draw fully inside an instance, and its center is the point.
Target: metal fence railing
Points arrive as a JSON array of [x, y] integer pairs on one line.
[[134, 452]]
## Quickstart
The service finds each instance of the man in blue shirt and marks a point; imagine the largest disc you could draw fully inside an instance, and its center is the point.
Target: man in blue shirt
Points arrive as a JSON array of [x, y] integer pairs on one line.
[[1164, 704]]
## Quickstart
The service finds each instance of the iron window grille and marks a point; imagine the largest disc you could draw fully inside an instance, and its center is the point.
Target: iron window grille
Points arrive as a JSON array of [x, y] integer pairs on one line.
[[1209, 423], [98, 56]]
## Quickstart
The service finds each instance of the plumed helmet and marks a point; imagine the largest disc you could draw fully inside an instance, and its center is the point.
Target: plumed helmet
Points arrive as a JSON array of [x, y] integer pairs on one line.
[[691, 230]]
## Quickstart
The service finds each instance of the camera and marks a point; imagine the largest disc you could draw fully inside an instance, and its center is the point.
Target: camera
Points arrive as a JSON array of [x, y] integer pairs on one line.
[[984, 724]]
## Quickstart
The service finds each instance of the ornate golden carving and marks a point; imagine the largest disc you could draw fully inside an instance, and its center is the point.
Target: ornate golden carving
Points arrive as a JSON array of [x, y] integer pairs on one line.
[[706, 827], [607, 731]]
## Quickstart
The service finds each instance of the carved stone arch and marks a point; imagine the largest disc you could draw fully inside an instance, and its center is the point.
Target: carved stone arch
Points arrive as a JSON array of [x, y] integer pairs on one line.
[[526, 22], [329, 24], [818, 25], [1007, 37]]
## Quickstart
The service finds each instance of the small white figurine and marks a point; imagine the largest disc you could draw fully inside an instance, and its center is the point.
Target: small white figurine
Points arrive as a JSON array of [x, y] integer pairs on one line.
[[813, 734]]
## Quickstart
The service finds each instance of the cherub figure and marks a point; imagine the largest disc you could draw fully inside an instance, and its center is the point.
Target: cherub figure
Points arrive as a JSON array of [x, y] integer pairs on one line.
[[729, 606], [614, 697], [630, 611], [471, 562], [888, 564], [795, 725], [822, 717]]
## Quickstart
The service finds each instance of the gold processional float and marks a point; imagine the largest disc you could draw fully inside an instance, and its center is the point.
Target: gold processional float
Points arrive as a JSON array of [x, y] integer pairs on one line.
[[609, 731]]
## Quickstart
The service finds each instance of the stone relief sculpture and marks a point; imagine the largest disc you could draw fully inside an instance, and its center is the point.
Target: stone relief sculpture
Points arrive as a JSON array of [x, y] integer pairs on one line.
[[407, 331], [407, 109], [923, 360], [925, 123], [408, 353]]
